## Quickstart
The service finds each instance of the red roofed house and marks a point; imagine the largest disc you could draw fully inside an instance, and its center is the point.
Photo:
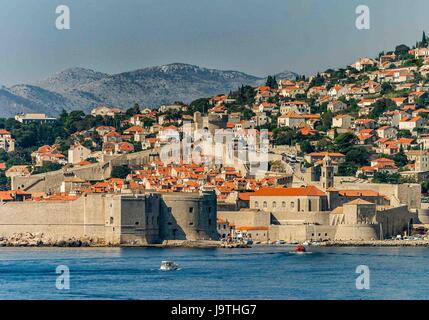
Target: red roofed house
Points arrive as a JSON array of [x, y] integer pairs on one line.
[[410, 124], [137, 132], [7, 143], [78, 153], [387, 132], [47, 154]]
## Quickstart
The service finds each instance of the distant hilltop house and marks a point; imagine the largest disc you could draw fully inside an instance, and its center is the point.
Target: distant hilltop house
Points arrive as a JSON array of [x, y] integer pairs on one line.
[[7, 143], [361, 63], [172, 107], [336, 106], [420, 52], [34, 118], [106, 111], [47, 154]]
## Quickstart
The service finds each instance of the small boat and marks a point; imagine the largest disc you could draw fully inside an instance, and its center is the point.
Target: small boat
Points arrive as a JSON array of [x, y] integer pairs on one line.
[[300, 249], [168, 266]]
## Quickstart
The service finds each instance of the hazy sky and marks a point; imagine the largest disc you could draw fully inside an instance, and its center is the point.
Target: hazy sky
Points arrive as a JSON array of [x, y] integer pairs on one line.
[[259, 37]]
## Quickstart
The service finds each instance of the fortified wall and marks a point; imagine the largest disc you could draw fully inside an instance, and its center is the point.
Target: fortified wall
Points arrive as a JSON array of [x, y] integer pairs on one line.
[[50, 182], [407, 193], [115, 219]]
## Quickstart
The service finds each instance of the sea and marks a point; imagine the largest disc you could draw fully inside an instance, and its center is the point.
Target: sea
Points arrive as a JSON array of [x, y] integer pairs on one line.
[[261, 272]]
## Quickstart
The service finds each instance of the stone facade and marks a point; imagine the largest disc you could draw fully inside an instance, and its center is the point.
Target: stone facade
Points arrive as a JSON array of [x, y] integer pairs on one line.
[[115, 219]]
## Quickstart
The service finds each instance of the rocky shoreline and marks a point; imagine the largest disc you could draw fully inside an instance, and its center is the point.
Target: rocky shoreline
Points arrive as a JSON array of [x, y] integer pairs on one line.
[[43, 240], [377, 243]]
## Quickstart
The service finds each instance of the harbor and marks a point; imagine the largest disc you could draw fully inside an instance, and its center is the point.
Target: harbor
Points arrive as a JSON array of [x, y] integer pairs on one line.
[[260, 272]]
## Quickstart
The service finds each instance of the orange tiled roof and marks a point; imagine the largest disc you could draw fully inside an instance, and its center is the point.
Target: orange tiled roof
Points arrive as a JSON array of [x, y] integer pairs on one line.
[[289, 192]]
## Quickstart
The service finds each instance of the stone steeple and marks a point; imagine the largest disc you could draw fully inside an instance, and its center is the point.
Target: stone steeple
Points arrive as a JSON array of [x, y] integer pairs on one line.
[[327, 174]]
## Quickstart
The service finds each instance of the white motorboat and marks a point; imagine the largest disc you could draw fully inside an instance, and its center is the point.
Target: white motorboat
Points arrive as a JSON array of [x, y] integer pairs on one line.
[[168, 266]]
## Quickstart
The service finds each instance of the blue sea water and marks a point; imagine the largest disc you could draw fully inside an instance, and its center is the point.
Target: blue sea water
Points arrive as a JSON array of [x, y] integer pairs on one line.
[[257, 273]]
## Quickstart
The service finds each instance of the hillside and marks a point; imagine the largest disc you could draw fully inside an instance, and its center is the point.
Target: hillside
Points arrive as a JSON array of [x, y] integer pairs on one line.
[[82, 89]]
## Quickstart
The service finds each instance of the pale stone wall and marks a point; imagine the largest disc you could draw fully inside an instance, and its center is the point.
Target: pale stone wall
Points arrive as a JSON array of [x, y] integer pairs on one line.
[[188, 216], [321, 217], [301, 232], [290, 204], [395, 220], [246, 217], [409, 193], [140, 224], [357, 232], [50, 182], [115, 218], [423, 214], [60, 219]]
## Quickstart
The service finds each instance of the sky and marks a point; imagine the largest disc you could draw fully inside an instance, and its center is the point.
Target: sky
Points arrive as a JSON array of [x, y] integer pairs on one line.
[[254, 36]]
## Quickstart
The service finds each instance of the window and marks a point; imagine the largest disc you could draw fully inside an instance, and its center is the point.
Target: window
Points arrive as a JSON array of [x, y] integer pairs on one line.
[[309, 205], [111, 220], [191, 223], [284, 204], [292, 204], [256, 204], [264, 204], [274, 204], [137, 223], [210, 222], [191, 209]]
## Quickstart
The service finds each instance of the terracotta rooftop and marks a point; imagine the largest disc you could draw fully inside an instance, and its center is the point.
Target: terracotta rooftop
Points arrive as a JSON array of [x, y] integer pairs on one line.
[[289, 192]]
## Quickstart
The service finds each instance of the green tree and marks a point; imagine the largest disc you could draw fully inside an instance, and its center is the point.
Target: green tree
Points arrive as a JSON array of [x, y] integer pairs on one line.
[[347, 169], [344, 142], [384, 177], [47, 167], [306, 147], [133, 111], [400, 158], [359, 156], [200, 105], [271, 82], [381, 106], [424, 42], [120, 172]]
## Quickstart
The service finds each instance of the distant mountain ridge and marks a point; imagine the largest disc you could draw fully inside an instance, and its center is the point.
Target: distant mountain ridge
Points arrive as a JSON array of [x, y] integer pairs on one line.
[[83, 89]]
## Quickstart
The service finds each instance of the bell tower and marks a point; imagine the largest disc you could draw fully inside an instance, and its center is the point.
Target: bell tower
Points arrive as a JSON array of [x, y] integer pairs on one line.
[[327, 174]]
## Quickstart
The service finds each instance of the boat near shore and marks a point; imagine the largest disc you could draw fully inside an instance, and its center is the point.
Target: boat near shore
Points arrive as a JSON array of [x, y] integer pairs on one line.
[[168, 266]]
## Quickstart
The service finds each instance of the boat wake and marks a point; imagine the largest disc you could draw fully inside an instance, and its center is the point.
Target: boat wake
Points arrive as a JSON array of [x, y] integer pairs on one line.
[[299, 253]]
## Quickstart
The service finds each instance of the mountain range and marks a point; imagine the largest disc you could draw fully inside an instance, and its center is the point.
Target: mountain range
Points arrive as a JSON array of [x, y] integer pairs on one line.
[[83, 89]]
